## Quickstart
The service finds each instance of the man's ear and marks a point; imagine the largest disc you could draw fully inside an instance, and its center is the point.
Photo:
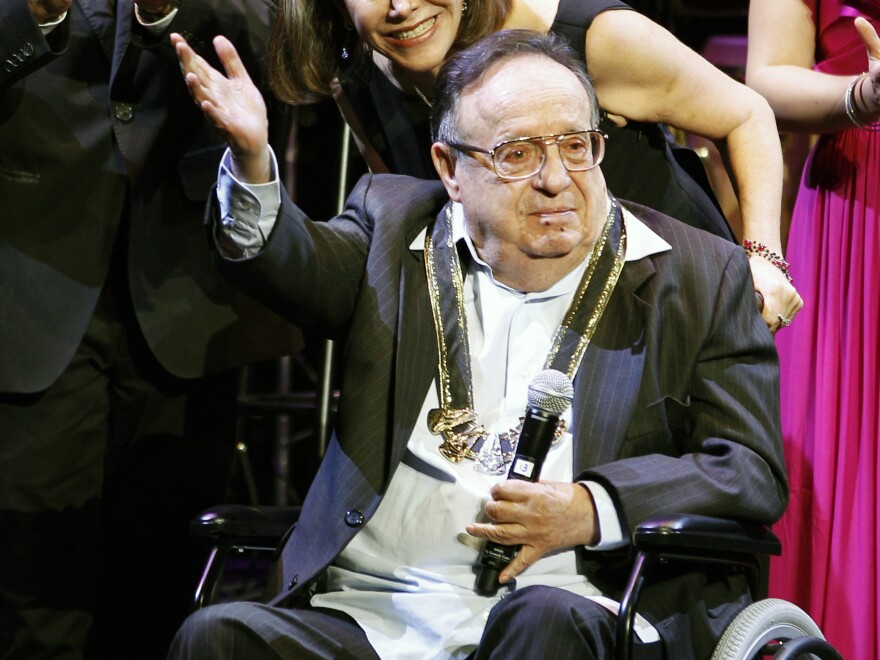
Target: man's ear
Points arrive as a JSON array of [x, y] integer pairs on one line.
[[444, 163]]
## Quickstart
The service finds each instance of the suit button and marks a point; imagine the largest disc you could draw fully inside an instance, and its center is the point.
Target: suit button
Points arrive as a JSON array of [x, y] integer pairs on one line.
[[293, 581], [124, 112], [354, 518], [18, 58]]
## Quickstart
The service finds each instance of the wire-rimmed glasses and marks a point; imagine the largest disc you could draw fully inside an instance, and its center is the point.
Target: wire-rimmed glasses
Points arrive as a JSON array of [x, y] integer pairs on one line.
[[523, 157]]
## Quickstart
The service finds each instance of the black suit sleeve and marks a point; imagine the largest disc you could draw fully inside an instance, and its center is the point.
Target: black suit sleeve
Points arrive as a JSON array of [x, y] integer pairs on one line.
[[23, 47]]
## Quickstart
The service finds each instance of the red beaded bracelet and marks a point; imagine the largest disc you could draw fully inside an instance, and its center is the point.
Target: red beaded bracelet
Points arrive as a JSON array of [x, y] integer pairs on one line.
[[753, 247]]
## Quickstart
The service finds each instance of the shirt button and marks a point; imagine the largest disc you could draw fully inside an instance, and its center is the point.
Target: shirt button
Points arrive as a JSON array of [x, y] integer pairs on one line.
[[124, 112], [354, 518]]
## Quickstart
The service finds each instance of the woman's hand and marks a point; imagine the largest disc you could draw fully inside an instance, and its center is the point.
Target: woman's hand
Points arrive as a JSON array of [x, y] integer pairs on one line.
[[867, 96], [780, 297], [232, 103]]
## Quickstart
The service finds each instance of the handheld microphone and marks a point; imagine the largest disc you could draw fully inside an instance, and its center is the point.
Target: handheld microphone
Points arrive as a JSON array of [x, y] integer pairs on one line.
[[550, 395]]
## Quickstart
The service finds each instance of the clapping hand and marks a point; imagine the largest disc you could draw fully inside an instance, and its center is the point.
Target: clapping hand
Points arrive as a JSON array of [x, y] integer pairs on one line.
[[157, 7], [46, 11], [232, 103]]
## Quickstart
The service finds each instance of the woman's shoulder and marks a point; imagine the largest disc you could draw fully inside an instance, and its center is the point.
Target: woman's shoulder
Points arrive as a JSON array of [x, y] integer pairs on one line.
[[569, 18], [582, 12], [546, 14]]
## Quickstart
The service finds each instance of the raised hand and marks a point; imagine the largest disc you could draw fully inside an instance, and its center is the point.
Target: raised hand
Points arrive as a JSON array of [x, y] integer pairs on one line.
[[232, 103], [46, 11], [867, 96]]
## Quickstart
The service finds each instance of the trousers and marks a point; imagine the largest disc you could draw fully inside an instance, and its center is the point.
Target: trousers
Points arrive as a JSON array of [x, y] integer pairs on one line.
[[535, 622], [101, 474]]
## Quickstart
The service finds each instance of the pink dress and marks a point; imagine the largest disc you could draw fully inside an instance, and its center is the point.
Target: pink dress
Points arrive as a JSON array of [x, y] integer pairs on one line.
[[830, 377]]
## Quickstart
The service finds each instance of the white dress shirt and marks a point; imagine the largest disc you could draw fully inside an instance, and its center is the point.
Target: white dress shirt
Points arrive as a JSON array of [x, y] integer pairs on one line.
[[407, 577]]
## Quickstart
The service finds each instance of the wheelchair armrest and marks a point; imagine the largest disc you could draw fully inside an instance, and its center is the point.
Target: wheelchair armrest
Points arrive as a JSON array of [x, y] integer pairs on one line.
[[689, 532], [244, 522], [231, 527], [690, 537]]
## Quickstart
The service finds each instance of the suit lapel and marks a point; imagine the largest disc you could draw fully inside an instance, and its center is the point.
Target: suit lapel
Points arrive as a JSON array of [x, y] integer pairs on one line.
[[111, 23], [100, 15], [124, 18], [416, 351], [608, 381]]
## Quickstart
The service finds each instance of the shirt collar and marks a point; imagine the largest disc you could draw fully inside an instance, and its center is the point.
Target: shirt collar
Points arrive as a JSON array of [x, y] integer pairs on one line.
[[641, 241]]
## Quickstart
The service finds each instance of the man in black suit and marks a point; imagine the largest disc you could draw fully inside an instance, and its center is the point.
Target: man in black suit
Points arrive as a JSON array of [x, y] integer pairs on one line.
[[117, 336], [448, 296]]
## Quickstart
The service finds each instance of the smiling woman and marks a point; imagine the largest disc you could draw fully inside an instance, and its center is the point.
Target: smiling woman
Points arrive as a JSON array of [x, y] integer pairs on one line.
[[318, 43]]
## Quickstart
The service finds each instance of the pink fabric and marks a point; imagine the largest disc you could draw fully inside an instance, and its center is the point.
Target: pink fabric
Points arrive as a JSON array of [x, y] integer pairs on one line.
[[830, 377]]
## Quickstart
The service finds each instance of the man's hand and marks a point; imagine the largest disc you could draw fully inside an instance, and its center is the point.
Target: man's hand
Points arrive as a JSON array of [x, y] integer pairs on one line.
[[541, 517], [233, 104], [46, 11]]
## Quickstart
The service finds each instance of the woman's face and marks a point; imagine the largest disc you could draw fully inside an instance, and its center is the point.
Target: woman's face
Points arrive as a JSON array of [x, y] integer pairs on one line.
[[416, 35]]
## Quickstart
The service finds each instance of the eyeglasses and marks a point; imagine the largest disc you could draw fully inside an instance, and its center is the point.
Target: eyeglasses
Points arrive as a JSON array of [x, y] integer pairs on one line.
[[521, 158]]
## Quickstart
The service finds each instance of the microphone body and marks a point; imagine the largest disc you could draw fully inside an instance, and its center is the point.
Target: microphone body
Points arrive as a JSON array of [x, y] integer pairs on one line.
[[550, 395]]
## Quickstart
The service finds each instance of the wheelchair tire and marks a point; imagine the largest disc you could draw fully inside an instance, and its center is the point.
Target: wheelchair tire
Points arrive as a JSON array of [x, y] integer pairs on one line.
[[763, 622]]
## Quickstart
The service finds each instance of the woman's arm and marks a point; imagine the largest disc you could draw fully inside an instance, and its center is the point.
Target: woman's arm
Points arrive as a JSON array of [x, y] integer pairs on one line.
[[644, 73], [782, 37]]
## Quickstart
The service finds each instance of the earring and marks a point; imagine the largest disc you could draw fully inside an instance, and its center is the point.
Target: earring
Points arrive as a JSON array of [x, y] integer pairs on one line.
[[348, 28], [464, 6]]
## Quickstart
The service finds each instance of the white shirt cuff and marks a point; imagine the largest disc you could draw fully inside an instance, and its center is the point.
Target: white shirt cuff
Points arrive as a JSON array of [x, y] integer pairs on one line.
[[247, 211], [155, 27], [46, 28], [610, 531]]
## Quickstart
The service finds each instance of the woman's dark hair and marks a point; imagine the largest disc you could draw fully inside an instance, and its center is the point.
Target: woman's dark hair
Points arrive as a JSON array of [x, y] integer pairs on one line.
[[308, 38], [467, 67]]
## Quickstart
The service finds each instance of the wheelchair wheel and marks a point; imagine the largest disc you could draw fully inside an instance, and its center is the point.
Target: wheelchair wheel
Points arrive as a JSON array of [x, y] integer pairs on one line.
[[763, 622]]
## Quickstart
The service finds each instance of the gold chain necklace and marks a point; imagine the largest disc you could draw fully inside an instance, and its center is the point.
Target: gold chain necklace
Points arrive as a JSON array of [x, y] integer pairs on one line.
[[423, 97], [455, 420]]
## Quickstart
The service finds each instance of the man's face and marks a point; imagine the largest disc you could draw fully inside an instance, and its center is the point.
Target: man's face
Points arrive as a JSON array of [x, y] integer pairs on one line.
[[541, 227]]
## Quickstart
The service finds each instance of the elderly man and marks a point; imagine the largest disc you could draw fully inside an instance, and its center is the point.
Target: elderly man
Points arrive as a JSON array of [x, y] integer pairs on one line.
[[450, 298]]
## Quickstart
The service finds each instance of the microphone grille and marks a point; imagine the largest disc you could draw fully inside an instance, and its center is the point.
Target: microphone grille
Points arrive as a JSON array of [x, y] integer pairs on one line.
[[551, 391]]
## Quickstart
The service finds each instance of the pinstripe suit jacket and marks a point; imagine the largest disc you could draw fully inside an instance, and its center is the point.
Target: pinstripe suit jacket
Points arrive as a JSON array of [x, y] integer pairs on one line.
[[675, 410]]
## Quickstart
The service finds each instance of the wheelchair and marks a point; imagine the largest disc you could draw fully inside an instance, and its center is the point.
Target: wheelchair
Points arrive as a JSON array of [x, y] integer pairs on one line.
[[769, 627]]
